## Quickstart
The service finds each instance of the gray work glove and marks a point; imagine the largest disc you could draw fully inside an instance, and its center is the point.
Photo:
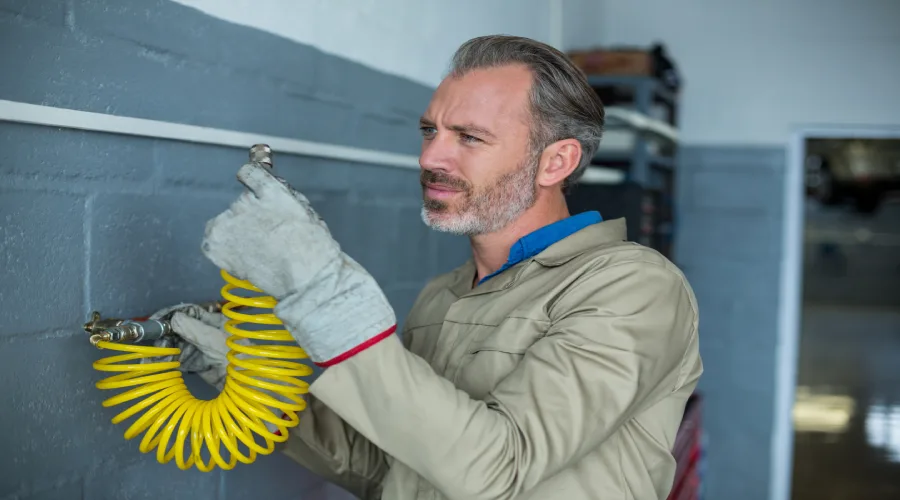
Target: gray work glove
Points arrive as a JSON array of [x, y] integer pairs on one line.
[[272, 237], [200, 335]]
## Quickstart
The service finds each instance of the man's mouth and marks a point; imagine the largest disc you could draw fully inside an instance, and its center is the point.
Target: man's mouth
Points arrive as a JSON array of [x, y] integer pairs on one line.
[[439, 191]]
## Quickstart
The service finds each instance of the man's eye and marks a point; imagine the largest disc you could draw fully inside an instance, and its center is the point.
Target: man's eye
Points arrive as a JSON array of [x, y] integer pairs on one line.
[[427, 131], [469, 138]]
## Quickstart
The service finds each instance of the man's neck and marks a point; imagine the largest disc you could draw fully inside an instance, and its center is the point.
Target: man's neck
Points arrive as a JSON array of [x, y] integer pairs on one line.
[[491, 251]]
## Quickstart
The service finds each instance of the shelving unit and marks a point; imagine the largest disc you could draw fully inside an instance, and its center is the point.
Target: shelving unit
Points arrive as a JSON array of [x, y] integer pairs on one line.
[[640, 141]]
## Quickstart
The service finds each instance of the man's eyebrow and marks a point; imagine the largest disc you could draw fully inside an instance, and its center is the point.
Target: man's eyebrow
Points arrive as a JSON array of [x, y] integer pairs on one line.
[[472, 129], [465, 128]]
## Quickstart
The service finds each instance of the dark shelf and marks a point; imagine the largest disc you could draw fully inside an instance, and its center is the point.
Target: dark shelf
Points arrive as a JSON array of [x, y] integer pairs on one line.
[[617, 89], [645, 198], [625, 161]]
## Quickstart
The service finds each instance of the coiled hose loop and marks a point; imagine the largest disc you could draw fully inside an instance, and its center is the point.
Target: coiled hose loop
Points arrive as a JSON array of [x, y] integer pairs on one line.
[[261, 386]]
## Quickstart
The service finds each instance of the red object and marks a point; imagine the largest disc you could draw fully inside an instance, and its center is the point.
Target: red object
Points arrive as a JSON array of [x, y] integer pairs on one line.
[[360, 348], [688, 452]]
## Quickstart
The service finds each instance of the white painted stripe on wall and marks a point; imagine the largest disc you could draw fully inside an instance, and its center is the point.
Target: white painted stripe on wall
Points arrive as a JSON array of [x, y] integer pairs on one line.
[[49, 116], [126, 125]]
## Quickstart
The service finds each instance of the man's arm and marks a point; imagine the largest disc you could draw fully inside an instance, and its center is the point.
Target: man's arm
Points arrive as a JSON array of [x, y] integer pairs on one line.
[[329, 447], [615, 346]]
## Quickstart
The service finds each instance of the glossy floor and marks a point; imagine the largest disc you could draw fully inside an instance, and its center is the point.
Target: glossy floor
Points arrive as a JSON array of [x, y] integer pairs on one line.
[[847, 412]]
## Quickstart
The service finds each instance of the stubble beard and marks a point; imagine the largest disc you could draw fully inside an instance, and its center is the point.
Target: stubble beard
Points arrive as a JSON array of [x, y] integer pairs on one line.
[[487, 210]]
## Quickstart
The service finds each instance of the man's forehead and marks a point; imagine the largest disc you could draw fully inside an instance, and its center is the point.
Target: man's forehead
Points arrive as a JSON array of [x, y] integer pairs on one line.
[[495, 93]]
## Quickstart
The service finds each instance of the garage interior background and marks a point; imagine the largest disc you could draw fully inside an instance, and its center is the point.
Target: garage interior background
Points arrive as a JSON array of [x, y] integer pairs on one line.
[[94, 221]]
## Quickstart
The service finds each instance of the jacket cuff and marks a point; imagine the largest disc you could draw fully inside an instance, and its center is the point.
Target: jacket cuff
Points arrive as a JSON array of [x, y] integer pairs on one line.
[[358, 349]]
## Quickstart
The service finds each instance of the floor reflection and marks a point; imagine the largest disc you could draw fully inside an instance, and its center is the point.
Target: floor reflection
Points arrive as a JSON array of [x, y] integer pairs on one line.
[[822, 412], [883, 430], [847, 409]]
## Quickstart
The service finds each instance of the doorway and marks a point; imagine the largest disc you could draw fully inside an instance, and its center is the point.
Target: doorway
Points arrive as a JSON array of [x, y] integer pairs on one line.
[[839, 366]]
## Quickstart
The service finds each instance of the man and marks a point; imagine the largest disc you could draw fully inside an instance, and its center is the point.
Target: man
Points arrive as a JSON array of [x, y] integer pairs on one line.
[[555, 363]]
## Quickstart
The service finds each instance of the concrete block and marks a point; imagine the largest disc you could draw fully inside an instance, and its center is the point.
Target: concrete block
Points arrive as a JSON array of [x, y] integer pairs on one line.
[[42, 256], [389, 133], [45, 152], [413, 261], [712, 234], [738, 482], [172, 29], [336, 210], [343, 80], [306, 173], [409, 99], [389, 185], [449, 250], [40, 78], [67, 491], [302, 117], [729, 454], [190, 165], [146, 252], [332, 492], [752, 369], [402, 297], [381, 94], [731, 279], [374, 240], [756, 190], [146, 83], [150, 480], [271, 476], [47, 12], [53, 419], [732, 156]]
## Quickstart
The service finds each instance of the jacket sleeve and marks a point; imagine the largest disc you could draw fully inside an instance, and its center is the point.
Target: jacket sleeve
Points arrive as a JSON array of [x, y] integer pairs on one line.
[[328, 446], [614, 346]]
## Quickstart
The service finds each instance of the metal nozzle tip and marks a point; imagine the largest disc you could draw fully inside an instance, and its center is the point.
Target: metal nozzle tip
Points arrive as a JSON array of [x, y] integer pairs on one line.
[[261, 153]]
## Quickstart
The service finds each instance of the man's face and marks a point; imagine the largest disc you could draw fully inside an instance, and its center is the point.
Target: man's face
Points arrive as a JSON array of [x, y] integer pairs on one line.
[[478, 173]]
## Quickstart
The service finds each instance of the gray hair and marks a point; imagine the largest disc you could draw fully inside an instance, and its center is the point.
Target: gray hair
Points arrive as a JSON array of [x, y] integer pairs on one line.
[[563, 105]]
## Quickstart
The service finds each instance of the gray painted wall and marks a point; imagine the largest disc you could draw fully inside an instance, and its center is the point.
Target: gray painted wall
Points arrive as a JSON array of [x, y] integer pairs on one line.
[[729, 245], [95, 221]]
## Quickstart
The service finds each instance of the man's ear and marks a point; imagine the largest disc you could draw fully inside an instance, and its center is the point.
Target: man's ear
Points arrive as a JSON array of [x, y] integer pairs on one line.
[[558, 161]]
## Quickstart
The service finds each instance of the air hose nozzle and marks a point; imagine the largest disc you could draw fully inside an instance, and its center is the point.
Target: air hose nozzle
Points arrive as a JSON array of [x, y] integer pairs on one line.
[[125, 330], [261, 153]]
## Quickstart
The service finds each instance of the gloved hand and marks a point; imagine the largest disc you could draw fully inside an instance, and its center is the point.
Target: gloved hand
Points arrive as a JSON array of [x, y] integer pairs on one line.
[[200, 337], [272, 237]]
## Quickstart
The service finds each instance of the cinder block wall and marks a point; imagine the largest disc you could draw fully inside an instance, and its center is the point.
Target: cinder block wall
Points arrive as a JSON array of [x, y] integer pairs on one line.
[[730, 207], [92, 221]]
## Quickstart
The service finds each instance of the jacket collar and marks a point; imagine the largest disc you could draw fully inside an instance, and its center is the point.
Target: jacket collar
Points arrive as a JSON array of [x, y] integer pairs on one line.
[[575, 239], [537, 241], [595, 235]]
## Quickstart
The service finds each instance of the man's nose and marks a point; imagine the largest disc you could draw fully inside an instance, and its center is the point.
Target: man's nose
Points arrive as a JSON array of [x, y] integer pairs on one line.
[[437, 154]]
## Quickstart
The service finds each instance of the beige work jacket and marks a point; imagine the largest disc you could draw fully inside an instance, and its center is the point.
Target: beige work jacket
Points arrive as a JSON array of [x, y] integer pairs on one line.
[[563, 377]]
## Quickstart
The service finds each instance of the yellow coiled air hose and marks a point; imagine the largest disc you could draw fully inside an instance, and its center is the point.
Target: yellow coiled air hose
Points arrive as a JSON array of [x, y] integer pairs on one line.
[[262, 385], [239, 411]]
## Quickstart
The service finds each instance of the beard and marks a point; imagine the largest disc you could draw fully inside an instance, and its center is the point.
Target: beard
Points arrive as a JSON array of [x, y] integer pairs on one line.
[[481, 210]]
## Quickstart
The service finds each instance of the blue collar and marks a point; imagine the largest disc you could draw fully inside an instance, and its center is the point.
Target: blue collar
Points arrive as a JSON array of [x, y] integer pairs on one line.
[[536, 242]]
